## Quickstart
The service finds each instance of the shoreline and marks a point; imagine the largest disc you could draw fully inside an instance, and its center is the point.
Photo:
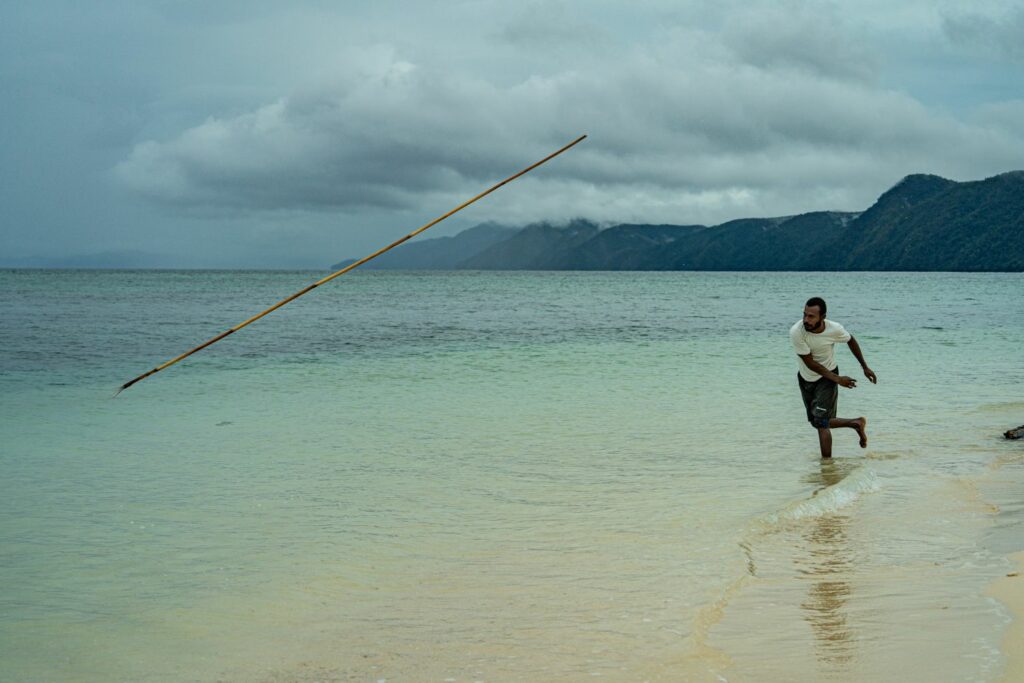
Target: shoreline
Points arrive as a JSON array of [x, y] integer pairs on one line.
[[1009, 590]]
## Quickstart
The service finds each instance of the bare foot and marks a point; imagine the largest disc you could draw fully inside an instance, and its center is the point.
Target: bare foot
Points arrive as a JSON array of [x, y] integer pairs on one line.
[[861, 425]]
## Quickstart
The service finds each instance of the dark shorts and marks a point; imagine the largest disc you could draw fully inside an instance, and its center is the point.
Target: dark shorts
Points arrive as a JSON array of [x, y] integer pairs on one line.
[[820, 399]]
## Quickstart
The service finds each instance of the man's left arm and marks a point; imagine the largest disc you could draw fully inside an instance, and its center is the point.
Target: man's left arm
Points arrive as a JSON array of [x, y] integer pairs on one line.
[[855, 348]]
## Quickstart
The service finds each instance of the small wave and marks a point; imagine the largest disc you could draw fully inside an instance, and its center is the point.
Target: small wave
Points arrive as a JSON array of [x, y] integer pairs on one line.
[[825, 501]]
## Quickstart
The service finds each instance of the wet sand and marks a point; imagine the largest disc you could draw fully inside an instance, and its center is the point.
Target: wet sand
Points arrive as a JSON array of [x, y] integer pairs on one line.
[[1009, 590]]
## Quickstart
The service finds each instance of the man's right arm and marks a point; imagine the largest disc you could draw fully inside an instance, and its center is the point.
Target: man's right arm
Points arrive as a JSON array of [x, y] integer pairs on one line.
[[815, 366]]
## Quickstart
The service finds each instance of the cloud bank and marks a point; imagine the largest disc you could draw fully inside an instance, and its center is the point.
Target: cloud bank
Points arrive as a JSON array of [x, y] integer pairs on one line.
[[702, 126]]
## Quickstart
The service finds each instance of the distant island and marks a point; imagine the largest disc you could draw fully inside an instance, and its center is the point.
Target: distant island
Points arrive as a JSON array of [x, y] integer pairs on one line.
[[924, 223]]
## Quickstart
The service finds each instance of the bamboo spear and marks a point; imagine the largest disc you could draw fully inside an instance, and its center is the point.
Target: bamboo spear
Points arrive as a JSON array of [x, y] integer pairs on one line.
[[344, 270]]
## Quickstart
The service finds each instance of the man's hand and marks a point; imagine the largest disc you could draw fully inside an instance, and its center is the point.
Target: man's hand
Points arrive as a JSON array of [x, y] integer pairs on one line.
[[848, 382], [870, 374]]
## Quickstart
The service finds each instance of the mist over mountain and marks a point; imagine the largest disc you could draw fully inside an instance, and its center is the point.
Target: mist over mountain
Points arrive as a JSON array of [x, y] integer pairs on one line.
[[440, 253], [923, 223]]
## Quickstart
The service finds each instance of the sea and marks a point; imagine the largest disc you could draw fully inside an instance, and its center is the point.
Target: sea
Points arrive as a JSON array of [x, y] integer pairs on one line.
[[503, 476]]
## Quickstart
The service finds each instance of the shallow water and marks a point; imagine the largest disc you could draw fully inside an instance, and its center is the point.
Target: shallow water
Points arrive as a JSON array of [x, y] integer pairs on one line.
[[501, 476]]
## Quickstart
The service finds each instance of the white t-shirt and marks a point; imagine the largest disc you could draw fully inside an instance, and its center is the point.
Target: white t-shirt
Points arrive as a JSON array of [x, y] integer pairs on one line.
[[821, 346]]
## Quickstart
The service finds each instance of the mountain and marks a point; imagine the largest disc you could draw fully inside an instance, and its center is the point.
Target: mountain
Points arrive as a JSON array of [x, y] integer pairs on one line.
[[536, 247], [784, 243], [929, 223], [924, 222], [443, 253], [623, 247]]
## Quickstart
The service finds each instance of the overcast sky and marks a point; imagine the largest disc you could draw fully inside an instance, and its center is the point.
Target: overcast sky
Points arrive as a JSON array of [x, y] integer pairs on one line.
[[294, 134]]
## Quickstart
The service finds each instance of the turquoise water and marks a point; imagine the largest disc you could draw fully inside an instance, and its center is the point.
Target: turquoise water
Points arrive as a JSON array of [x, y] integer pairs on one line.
[[501, 476]]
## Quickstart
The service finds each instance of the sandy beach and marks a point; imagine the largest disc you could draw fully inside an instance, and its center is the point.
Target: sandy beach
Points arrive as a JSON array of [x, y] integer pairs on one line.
[[1009, 590]]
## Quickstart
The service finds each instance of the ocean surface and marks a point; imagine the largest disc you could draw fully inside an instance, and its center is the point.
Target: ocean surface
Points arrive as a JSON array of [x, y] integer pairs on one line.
[[502, 477]]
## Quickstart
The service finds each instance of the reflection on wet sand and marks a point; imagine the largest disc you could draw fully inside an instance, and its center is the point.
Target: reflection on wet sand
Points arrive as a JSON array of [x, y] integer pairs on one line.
[[827, 562]]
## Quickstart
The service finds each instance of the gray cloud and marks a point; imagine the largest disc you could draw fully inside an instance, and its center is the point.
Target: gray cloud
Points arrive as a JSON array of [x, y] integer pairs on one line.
[[796, 35], [692, 129], [552, 27], [998, 34]]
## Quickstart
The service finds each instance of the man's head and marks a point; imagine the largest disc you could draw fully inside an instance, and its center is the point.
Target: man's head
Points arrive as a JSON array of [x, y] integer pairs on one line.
[[814, 314]]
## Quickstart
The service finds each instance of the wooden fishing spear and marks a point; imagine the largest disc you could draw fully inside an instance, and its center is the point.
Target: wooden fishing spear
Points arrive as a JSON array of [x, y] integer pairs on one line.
[[344, 270]]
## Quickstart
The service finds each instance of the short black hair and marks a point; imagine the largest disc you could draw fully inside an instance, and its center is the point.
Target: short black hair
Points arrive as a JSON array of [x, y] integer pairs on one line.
[[819, 302]]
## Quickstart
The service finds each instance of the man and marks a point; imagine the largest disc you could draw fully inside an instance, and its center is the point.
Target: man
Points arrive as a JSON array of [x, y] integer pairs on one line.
[[814, 339]]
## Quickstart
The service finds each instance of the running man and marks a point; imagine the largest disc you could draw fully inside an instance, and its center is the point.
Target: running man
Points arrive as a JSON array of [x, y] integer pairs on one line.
[[814, 339]]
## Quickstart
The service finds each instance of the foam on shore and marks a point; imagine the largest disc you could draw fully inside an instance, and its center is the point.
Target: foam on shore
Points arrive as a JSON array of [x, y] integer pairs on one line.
[[828, 500]]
